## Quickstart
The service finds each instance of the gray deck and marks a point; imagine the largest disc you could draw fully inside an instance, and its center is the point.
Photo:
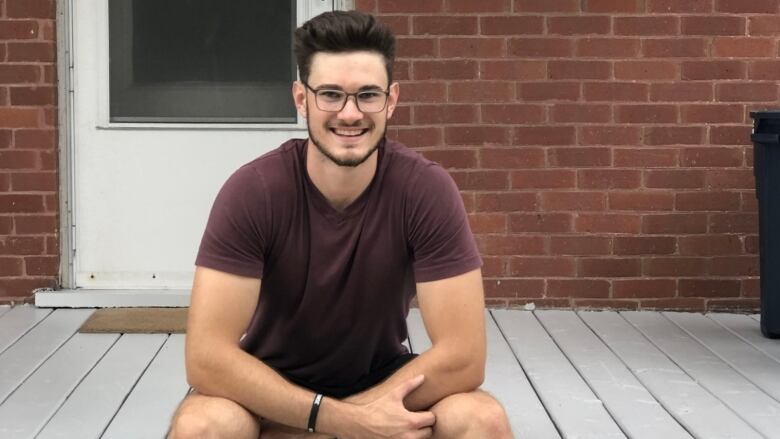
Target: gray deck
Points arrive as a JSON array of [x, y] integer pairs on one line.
[[560, 374]]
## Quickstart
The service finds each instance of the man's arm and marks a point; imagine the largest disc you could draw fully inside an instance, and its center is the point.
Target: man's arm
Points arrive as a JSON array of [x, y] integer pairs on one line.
[[221, 308], [453, 312]]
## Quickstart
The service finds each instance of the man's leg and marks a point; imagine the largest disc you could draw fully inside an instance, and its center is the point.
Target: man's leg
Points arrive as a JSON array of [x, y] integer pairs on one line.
[[201, 416], [470, 415]]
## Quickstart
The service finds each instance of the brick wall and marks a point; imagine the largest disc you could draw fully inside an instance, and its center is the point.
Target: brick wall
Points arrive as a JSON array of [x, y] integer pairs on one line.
[[602, 146], [28, 149]]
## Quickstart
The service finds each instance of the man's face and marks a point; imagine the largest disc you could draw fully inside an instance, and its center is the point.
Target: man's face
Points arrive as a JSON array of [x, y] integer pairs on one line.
[[347, 137]]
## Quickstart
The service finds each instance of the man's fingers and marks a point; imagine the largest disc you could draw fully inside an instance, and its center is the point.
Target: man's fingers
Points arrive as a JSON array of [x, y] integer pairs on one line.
[[409, 386], [424, 419], [423, 433]]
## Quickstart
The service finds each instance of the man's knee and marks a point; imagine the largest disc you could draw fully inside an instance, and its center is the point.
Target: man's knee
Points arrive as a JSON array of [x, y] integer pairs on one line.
[[474, 414], [206, 417]]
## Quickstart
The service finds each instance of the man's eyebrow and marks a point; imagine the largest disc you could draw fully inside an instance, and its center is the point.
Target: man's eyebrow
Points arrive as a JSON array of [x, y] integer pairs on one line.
[[338, 87]]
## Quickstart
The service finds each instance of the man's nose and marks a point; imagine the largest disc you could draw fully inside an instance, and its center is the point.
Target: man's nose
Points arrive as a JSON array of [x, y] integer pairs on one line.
[[350, 110]]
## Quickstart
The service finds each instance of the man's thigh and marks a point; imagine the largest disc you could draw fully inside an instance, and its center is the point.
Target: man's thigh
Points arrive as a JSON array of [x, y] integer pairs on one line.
[[200, 415], [471, 414]]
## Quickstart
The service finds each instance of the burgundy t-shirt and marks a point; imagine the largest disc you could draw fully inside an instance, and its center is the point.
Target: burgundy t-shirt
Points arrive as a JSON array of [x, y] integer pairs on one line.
[[336, 286]]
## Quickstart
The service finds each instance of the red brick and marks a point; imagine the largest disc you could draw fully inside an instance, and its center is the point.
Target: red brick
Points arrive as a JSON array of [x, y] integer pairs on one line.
[[546, 6], [520, 70], [30, 8], [674, 47], [476, 135], [674, 135], [707, 201], [480, 6], [511, 25], [668, 6], [751, 244], [680, 92], [402, 115], [540, 47], [708, 288], [643, 288], [544, 135], [639, 70], [646, 113], [609, 135], [5, 182], [746, 92], [416, 47], [580, 288], [734, 266], [578, 25], [674, 303], [646, 157], [546, 91], [710, 245], [742, 7], [398, 24], [29, 51], [33, 95], [713, 25], [608, 223], [540, 222], [608, 304], [469, 201], [458, 69], [707, 70], [733, 223], [525, 266], [749, 201], [48, 160], [418, 91], [746, 304], [17, 203], [419, 136], [645, 200], [579, 69], [13, 117], [402, 70], [481, 91], [6, 225], [573, 201], [11, 266], [731, 179], [488, 223], [674, 179], [730, 135], [703, 113], [34, 181], [580, 157], [673, 267], [494, 266], [21, 245], [506, 202], [615, 91], [22, 287], [743, 47], [472, 48], [609, 267], [12, 159], [751, 288], [6, 138], [35, 139], [644, 245], [608, 179], [646, 25], [512, 158], [407, 6], [514, 287], [512, 113], [444, 25], [35, 224], [711, 157], [607, 47], [764, 70], [620, 6], [510, 245], [18, 29], [439, 114], [41, 265], [544, 178], [585, 113], [766, 25], [365, 5], [674, 223]]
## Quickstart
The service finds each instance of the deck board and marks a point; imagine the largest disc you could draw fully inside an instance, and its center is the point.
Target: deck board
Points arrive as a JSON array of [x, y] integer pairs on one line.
[[15, 323], [748, 330]]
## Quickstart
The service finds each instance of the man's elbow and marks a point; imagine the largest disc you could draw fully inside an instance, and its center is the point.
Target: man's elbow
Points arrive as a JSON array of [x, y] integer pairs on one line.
[[474, 374]]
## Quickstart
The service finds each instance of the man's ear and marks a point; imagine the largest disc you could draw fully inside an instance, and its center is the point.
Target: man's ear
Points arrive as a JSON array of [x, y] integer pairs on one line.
[[299, 97], [392, 99]]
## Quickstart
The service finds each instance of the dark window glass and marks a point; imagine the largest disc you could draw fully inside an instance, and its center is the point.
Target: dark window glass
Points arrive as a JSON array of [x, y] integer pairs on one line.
[[201, 61]]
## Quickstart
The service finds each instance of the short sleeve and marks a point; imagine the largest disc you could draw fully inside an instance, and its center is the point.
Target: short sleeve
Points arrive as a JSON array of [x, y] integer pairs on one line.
[[439, 235], [234, 239]]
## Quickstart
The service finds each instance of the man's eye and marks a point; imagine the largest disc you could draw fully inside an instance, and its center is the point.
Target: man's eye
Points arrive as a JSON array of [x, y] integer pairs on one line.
[[332, 95], [369, 95]]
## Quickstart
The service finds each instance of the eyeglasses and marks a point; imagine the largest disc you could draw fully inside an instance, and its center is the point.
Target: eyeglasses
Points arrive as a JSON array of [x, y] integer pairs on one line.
[[367, 101]]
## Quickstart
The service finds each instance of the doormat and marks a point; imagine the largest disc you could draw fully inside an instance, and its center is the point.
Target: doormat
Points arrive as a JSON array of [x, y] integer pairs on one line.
[[137, 320]]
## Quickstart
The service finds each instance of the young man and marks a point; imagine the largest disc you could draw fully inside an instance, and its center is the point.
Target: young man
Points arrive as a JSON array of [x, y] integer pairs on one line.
[[310, 259]]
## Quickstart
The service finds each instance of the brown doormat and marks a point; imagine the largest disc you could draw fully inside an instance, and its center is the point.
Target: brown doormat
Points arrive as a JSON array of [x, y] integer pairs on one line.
[[137, 320]]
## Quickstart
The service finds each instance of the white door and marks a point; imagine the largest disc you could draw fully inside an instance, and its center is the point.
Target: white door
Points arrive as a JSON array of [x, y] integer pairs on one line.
[[169, 97]]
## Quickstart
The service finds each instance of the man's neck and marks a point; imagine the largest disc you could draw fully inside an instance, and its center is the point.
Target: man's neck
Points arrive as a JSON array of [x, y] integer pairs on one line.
[[341, 185]]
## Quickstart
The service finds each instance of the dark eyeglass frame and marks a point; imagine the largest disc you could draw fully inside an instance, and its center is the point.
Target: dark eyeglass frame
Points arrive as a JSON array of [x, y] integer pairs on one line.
[[346, 98]]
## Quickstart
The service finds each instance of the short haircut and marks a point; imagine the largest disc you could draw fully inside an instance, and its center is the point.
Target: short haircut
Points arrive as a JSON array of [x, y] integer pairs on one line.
[[343, 32]]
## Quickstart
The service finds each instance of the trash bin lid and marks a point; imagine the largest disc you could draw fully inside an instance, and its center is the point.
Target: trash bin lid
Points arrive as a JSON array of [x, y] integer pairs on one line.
[[765, 114]]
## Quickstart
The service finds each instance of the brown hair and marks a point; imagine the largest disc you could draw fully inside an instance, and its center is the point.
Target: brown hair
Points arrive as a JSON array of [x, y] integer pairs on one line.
[[339, 32]]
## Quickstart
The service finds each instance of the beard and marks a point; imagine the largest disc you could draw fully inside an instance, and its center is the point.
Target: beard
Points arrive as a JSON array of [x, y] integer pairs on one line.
[[351, 162]]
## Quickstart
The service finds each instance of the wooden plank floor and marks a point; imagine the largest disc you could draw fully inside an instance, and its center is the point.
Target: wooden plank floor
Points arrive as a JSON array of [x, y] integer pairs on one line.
[[559, 374]]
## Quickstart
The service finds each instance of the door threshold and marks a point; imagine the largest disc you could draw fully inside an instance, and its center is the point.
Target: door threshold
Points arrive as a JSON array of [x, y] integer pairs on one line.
[[87, 298]]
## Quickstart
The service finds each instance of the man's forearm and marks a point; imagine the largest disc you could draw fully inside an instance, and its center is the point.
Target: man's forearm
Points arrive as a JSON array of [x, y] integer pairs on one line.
[[444, 376]]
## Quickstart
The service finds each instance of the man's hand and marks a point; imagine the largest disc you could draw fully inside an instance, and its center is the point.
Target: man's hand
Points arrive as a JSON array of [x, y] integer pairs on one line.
[[386, 417]]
